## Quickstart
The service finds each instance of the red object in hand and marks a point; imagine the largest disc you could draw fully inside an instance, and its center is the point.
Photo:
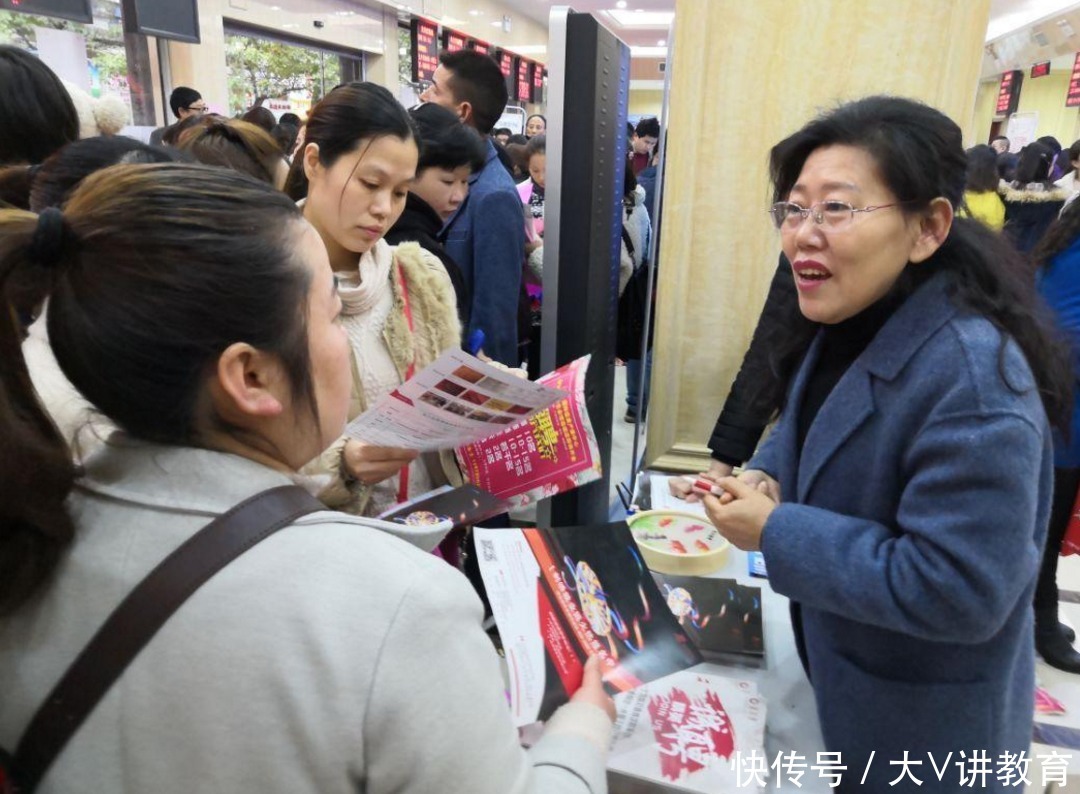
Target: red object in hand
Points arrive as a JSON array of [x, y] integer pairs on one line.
[[1070, 544]]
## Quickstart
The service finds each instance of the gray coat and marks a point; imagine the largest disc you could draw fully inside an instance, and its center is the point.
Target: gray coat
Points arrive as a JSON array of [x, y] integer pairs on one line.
[[909, 540]]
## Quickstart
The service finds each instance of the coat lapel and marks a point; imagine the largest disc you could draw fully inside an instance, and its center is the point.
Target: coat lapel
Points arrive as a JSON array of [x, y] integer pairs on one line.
[[851, 402]]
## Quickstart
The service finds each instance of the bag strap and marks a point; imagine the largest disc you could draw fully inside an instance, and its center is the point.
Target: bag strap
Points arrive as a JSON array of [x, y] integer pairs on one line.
[[139, 616], [629, 243]]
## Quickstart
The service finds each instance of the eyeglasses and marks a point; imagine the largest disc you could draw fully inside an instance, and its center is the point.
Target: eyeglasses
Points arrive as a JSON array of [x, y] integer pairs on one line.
[[198, 108], [833, 215]]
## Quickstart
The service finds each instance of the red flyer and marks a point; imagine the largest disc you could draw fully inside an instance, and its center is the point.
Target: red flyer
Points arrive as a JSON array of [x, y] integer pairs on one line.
[[549, 453]]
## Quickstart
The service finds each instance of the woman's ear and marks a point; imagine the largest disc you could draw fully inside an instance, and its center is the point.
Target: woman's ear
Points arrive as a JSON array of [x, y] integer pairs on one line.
[[247, 385], [933, 230], [311, 160]]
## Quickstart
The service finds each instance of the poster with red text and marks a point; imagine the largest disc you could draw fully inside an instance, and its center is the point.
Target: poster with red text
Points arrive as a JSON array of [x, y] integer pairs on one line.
[[562, 595], [682, 733], [549, 453]]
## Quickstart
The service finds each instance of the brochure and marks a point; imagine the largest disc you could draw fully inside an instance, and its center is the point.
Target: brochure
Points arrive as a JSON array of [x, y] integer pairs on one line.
[[562, 595], [552, 452], [456, 400], [682, 732], [721, 616], [465, 506]]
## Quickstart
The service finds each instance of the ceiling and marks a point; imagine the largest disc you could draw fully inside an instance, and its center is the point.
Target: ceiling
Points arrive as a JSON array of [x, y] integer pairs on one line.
[[1006, 17], [1049, 32]]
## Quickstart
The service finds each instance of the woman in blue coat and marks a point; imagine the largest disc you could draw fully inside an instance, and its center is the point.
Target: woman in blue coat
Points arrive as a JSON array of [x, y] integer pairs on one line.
[[901, 502], [1058, 279]]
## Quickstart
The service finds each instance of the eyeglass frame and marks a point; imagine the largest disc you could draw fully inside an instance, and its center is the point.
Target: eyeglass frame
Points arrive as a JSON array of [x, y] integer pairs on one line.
[[819, 216], [204, 109]]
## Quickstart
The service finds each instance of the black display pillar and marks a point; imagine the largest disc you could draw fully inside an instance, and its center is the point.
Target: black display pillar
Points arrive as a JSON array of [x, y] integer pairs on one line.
[[588, 86]]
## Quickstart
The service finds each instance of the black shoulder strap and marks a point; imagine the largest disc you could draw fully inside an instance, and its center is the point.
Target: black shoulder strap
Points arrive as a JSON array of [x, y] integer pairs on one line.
[[629, 244], [139, 616]]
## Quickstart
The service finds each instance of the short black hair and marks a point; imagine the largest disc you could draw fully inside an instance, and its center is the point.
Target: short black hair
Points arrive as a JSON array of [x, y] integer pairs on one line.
[[649, 126], [999, 138], [182, 98], [477, 79], [290, 118], [502, 131], [444, 141], [537, 145], [981, 171]]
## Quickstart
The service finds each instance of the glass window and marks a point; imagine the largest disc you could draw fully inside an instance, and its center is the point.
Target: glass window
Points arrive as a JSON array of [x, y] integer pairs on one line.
[[106, 57], [284, 76]]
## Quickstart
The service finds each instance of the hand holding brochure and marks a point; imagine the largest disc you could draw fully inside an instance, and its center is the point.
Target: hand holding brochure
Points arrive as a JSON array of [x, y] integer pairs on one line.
[[562, 595], [550, 453], [456, 400]]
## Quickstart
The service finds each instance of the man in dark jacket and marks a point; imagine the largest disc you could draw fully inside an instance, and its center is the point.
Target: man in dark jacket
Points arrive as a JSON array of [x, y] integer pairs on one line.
[[486, 237]]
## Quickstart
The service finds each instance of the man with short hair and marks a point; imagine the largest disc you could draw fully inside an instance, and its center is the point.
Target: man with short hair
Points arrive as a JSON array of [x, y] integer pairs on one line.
[[1006, 161], [486, 237], [646, 136], [184, 102]]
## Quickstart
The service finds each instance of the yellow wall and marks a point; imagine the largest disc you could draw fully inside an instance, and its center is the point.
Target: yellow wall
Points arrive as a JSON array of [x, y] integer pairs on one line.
[[1044, 95], [985, 102], [645, 102]]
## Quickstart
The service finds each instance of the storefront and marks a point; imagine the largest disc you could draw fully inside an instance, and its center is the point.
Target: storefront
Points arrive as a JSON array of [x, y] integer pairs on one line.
[[286, 75]]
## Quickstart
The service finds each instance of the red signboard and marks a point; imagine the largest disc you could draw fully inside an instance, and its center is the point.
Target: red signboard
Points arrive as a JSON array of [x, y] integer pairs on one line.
[[524, 80], [1040, 69], [425, 50], [454, 41], [506, 63], [1072, 99], [538, 83], [1009, 92], [480, 46]]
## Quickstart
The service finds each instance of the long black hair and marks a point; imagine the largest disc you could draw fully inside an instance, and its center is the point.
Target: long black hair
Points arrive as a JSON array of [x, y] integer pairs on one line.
[[919, 155], [1061, 234], [37, 115]]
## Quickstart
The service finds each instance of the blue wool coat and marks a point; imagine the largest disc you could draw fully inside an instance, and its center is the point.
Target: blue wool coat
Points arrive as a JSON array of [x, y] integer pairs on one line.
[[487, 240], [1059, 284], [909, 538]]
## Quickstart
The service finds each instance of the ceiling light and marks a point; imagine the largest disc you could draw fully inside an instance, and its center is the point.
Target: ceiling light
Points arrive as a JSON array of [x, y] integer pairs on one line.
[[474, 13], [275, 8], [621, 4], [661, 43]]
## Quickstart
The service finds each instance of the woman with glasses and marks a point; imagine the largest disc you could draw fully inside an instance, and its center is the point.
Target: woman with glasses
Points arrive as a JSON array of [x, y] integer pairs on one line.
[[901, 502]]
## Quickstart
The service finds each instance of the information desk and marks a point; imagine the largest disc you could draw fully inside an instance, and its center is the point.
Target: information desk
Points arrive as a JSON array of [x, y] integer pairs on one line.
[[791, 724]]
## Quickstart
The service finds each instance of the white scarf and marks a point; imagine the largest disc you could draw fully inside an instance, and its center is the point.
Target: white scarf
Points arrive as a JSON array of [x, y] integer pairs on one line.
[[361, 291]]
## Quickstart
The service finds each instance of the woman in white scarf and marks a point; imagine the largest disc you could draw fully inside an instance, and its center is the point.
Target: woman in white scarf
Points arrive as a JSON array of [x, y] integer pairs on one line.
[[353, 174]]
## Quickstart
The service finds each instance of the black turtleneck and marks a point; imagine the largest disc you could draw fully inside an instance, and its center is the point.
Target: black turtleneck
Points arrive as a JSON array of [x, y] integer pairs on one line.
[[842, 343]]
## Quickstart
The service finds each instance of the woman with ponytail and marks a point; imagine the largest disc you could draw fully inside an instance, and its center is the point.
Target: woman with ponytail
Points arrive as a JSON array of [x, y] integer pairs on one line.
[[197, 310], [901, 502]]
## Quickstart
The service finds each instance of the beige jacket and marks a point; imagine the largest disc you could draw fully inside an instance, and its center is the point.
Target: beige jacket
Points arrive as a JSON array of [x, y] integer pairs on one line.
[[436, 329], [332, 657]]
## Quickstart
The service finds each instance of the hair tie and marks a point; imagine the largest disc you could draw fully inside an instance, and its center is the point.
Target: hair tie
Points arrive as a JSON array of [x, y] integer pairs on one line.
[[50, 237]]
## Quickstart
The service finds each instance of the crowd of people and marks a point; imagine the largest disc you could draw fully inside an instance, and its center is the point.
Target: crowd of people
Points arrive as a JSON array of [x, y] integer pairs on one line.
[[193, 322]]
